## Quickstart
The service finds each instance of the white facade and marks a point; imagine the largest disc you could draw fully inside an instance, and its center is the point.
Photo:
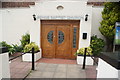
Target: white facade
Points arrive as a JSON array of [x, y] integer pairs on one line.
[[105, 70], [15, 22], [0, 25], [4, 66], [96, 19], [18, 21], [0, 67]]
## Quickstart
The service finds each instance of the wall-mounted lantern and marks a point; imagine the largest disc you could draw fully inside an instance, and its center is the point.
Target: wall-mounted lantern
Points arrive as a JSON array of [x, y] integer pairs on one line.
[[34, 17], [86, 17]]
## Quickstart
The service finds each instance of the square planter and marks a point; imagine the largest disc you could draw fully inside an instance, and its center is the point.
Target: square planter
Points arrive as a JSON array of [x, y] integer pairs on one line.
[[28, 57], [89, 60]]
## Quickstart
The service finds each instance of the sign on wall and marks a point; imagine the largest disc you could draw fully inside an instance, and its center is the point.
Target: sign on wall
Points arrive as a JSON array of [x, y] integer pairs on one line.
[[117, 34], [60, 17]]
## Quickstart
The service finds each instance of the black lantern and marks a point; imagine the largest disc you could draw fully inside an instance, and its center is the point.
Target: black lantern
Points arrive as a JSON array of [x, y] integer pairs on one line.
[[86, 17], [34, 17]]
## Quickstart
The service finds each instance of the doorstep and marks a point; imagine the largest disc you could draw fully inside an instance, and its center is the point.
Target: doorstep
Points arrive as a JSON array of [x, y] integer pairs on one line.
[[56, 61]]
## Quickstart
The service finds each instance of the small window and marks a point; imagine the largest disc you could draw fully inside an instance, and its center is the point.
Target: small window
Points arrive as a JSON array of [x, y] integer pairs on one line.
[[50, 37], [60, 37], [60, 7], [74, 37]]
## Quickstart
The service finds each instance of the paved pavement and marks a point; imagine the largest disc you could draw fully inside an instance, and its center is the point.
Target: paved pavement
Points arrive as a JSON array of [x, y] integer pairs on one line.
[[49, 70], [18, 68]]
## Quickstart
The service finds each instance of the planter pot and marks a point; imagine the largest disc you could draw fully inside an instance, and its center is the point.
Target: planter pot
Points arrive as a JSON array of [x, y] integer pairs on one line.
[[14, 55], [28, 57], [89, 60]]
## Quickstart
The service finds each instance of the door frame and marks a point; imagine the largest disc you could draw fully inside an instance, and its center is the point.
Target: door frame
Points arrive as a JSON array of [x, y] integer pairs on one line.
[[62, 22]]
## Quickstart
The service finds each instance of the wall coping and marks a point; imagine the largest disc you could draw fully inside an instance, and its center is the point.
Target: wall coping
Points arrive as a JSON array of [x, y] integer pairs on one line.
[[111, 58]]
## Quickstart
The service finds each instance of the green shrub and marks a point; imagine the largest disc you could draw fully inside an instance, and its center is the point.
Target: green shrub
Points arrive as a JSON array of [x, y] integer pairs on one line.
[[110, 15], [28, 47], [15, 48], [25, 39], [81, 51], [11, 50], [4, 44], [97, 45]]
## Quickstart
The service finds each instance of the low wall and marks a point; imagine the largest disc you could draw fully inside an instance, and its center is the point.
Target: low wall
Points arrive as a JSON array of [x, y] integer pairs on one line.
[[105, 70], [0, 25], [4, 68], [0, 66]]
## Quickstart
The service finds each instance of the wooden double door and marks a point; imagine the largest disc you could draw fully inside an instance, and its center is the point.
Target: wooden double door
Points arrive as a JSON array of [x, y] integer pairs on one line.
[[59, 39]]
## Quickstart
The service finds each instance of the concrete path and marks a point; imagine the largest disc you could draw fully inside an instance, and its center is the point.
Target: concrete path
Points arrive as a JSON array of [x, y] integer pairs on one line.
[[49, 70]]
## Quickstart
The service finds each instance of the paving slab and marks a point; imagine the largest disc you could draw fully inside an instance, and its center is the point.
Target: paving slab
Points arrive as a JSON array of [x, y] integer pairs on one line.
[[49, 69], [61, 69], [35, 74], [60, 75], [58, 71], [52, 65], [47, 74]]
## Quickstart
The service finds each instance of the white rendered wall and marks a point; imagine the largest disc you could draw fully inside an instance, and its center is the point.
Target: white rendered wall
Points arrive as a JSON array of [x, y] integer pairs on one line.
[[0, 41], [0, 25], [105, 70], [71, 8], [96, 19], [4, 66], [17, 22], [0, 67], [119, 75]]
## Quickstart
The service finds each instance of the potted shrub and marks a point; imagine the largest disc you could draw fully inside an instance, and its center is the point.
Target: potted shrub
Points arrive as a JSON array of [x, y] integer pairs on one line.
[[28, 52], [25, 40], [5, 47], [97, 45], [15, 50], [80, 56]]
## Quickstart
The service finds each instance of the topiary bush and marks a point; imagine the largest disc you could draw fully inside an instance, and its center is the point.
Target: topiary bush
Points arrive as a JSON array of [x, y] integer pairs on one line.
[[28, 47], [97, 45], [81, 51]]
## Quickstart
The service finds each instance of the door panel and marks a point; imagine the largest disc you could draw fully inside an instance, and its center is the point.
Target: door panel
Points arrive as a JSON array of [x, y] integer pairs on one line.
[[48, 41], [63, 42], [74, 39], [59, 39]]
